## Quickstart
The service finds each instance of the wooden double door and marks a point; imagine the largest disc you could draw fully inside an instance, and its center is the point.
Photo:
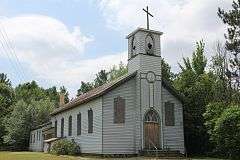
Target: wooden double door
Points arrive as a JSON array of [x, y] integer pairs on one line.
[[151, 135]]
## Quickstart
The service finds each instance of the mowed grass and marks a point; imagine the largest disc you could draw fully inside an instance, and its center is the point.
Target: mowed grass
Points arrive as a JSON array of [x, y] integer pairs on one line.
[[44, 156], [32, 156]]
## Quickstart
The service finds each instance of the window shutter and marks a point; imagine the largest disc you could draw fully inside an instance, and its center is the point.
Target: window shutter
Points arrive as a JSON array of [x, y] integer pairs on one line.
[[62, 127], [115, 110], [119, 110], [169, 114], [90, 121], [79, 124], [70, 126]]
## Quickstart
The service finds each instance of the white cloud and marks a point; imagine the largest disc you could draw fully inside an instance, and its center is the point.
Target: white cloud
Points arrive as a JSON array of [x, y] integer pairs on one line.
[[182, 21], [53, 53]]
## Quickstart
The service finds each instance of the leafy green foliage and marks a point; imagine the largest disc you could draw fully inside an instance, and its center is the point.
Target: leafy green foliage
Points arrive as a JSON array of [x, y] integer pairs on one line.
[[166, 71], [116, 72], [227, 132], [4, 79], [29, 91], [85, 87], [23, 118], [212, 114], [103, 77], [7, 98], [197, 87], [65, 147]]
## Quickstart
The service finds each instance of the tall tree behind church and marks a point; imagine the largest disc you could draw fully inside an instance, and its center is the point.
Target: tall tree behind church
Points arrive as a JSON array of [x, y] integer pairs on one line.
[[232, 19], [7, 98], [101, 78], [196, 85]]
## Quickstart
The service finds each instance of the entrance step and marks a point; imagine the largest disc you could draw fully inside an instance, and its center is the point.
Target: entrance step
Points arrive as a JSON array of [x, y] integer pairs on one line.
[[161, 153]]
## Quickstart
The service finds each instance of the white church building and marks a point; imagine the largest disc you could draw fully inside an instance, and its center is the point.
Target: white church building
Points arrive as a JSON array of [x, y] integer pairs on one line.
[[136, 112]]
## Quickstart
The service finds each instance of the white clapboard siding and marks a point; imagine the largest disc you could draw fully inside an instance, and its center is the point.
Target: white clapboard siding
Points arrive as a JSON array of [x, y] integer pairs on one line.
[[119, 138], [173, 135], [89, 142], [37, 145]]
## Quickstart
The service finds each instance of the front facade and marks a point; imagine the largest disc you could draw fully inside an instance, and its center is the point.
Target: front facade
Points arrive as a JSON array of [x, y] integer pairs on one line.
[[136, 112]]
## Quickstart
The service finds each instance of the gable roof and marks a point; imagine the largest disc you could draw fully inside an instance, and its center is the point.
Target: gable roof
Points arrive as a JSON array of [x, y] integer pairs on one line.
[[105, 88], [94, 93]]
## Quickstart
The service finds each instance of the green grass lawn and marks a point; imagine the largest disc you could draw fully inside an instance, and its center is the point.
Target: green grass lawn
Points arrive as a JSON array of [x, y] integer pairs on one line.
[[44, 156]]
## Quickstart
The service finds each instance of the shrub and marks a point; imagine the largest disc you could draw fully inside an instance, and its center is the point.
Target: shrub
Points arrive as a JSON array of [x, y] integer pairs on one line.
[[65, 147], [227, 131], [212, 114]]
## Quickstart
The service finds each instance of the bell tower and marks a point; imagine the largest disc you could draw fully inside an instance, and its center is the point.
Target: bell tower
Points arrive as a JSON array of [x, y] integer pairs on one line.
[[144, 57], [144, 51]]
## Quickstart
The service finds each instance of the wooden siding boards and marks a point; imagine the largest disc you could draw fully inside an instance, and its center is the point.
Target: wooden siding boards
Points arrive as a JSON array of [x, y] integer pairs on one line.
[[119, 138], [37, 144], [89, 142], [173, 135]]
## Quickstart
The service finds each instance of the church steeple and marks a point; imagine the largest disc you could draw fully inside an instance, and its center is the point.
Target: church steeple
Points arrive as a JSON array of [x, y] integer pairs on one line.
[[143, 43]]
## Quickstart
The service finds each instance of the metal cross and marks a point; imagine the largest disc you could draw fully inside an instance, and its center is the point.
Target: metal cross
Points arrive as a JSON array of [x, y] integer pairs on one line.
[[147, 16]]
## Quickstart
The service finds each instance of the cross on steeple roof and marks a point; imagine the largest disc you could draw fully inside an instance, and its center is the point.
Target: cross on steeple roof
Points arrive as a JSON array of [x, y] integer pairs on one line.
[[146, 10]]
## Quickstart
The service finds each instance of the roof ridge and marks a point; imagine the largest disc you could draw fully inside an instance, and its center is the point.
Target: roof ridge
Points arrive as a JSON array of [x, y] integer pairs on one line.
[[94, 93]]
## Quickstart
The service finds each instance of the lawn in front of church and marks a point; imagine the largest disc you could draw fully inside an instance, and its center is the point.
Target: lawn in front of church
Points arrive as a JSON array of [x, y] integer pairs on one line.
[[44, 156]]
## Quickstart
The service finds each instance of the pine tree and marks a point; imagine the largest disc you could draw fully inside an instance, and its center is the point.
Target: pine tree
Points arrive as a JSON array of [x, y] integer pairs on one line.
[[232, 19]]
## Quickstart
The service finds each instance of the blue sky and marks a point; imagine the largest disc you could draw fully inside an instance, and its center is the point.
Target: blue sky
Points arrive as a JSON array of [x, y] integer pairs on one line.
[[59, 42]]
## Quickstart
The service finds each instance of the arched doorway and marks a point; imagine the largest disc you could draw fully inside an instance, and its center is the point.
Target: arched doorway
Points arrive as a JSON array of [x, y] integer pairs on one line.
[[151, 130]]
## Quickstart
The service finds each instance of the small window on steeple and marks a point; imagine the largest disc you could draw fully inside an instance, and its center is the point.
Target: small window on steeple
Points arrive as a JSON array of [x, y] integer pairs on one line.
[[149, 44], [133, 46]]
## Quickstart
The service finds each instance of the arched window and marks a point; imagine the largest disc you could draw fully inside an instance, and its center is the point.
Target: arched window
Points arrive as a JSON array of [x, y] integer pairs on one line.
[[90, 121], [149, 44], [119, 110], [151, 116], [79, 127], [62, 127], [70, 126]]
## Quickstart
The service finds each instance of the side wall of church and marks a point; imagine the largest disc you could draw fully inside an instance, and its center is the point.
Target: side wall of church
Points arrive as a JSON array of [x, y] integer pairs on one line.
[[173, 135], [120, 138], [36, 140], [89, 142]]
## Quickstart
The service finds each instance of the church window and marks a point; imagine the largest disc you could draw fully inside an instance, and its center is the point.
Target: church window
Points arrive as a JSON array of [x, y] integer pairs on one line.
[[90, 121], [79, 127], [169, 114], [34, 138], [149, 44], [151, 116], [37, 136], [62, 127], [40, 134], [70, 126], [133, 46], [55, 128], [119, 110]]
